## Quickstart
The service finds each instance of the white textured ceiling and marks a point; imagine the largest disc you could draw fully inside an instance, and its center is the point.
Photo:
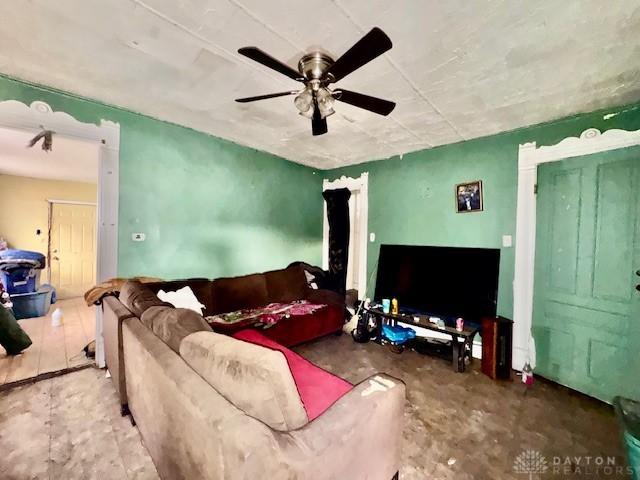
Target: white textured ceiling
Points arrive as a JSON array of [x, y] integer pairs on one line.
[[458, 69], [69, 159]]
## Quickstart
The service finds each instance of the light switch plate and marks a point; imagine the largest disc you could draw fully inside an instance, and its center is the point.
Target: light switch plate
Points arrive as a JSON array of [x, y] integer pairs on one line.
[[372, 237], [138, 237], [507, 241]]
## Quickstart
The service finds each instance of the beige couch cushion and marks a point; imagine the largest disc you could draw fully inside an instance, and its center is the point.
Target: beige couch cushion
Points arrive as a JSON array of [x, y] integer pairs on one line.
[[171, 325], [255, 379], [138, 297]]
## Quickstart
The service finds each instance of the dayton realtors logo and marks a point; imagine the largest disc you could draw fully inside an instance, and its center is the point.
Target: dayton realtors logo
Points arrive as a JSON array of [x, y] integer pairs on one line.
[[532, 462]]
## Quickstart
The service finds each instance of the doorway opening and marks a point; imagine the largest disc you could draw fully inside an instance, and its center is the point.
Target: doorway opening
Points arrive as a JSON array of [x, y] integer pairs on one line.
[[49, 201], [38, 116], [358, 231], [353, 279]]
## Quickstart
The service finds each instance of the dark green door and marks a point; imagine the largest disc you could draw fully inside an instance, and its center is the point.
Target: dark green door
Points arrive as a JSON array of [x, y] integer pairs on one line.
[[586, 319]]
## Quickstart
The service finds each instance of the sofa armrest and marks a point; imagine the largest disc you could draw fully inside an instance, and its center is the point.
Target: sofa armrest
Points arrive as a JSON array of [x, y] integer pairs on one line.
[[117, 308], [358, 436], [114, 314], [328, 297]]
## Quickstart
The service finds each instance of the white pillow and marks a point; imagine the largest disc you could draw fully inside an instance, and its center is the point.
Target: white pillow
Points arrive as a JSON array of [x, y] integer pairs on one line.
[[310, 280], [182, 298]]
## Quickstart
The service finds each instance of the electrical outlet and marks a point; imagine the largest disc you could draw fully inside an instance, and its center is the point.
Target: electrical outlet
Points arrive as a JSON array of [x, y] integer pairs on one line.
[[507, 241], [138, 237]]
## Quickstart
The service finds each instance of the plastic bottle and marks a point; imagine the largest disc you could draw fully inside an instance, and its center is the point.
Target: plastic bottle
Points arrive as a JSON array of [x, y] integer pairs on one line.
[[57, 317], [527, 374]]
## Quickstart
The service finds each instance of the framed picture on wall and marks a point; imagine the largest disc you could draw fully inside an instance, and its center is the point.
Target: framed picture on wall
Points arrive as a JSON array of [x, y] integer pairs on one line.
[[469, 197]]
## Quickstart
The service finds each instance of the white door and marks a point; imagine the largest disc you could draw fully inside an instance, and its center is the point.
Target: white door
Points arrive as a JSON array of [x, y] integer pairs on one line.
[[72, 248]]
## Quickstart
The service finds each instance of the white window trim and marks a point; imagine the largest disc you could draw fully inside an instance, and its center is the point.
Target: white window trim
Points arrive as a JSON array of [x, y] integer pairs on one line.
[[361, 185], [529, 157], [38, 115]]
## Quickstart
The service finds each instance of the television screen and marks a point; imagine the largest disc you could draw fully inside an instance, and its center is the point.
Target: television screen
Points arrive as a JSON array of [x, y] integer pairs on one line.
[[449, 282]]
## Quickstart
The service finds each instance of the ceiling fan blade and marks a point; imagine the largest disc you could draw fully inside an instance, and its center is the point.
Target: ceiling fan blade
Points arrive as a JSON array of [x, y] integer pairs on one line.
[[372, 45], [257, 55], [264, 97], [373, 104], [318, 124]]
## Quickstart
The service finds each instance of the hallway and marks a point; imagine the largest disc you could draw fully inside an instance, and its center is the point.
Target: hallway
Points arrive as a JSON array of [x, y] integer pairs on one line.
[[53, 348]]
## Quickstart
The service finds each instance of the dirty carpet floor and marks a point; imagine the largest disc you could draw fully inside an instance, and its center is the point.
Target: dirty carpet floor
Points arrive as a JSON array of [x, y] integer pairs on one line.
[[462, 426]]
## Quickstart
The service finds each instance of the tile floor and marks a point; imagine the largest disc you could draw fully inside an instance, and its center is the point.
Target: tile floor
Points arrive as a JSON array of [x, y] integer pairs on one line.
[[53, 348], [69, 428]]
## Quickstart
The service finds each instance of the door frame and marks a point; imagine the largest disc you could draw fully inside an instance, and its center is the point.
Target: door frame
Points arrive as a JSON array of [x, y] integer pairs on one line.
[[530, 156], [50, 203], [106, 135], [361, 185]]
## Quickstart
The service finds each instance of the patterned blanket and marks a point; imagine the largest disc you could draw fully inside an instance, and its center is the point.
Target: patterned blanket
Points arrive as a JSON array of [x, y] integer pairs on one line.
[[264, 316]]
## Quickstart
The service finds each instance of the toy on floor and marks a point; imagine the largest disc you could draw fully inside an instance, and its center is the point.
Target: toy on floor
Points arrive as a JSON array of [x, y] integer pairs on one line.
[[397, 336]]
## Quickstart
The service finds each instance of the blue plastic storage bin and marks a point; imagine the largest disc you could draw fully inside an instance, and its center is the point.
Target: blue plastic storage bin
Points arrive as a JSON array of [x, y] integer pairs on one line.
[[20, 280], [20, 270], [629, 415], [34, 304], [23, 255]]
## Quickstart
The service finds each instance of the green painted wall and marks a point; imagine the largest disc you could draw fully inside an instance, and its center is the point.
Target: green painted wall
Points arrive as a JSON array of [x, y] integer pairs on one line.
[[411, 200], [209, 207]]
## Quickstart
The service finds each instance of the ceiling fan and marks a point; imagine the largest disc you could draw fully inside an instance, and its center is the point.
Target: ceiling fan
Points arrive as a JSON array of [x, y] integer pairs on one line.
[[317, 70]]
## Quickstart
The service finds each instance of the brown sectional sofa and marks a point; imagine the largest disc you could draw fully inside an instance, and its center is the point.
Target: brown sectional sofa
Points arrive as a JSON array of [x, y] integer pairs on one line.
[[225, 295], [210, 406]]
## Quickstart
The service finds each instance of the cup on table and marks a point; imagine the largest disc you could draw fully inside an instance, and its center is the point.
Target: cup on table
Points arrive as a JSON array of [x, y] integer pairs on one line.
[[386, 305]]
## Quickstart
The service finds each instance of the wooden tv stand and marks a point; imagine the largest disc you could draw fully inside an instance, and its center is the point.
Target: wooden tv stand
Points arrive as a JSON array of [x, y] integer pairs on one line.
[[461, 341]]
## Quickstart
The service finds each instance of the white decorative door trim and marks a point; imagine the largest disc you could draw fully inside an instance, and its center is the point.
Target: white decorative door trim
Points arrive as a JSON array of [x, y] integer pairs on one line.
[[39, 115], [529, 157], [360, 185]]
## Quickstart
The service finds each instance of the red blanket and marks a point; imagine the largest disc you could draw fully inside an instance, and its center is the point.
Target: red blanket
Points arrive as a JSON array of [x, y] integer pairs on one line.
[[318, 389]]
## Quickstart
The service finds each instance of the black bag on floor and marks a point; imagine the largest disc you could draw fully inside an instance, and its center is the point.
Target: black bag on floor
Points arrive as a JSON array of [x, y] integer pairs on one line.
[[361, 333], [12, 337]]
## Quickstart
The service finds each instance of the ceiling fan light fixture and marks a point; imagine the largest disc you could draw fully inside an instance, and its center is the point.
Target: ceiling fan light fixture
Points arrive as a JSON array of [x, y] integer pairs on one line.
[[308, 113], [304, 102], [324, 113], [325, 101]]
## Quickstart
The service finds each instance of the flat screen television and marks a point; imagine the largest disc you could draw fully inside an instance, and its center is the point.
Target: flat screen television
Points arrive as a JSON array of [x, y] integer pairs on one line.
[[448, 282]]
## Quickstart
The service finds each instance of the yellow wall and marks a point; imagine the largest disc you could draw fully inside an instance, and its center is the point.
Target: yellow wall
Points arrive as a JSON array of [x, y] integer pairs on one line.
[[24, 208]]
